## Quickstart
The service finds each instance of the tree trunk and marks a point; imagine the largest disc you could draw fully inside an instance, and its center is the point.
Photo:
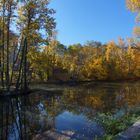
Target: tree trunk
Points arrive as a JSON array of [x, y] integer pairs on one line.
[[3, 44], [8, 43]]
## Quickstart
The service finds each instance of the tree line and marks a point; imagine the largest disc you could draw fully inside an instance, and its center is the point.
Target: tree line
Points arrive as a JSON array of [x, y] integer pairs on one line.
[[91, 61]]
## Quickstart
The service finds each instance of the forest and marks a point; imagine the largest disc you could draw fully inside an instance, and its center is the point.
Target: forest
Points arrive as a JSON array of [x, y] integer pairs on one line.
[[92, 61], [30, 51]]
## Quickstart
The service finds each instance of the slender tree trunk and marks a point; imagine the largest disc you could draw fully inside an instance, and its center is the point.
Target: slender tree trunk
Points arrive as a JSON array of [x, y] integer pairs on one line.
[[25, 66], [25, 69], [15, 58], [3, 44], [7, 42], [7, 51], [20, 68], [1, 56]]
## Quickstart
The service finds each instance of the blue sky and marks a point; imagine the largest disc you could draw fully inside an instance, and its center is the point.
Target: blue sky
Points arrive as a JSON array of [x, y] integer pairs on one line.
[[79, 21]]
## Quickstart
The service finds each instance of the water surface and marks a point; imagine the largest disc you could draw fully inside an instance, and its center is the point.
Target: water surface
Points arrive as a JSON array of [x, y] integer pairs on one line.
[[65, 110]]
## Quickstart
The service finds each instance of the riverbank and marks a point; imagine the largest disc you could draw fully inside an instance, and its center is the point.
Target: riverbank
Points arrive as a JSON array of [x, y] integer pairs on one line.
[[76, 82], [125, 127]]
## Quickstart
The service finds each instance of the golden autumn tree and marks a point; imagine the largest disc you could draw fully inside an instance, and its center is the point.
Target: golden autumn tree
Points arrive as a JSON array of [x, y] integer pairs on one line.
[[24, 24], [134, 6], [134, 49]]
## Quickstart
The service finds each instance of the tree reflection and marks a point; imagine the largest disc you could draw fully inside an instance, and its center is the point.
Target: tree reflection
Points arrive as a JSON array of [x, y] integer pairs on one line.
[[22, 118]]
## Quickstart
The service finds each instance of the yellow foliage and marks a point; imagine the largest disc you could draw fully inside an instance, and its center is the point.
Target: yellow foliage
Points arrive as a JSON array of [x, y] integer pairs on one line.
[[133, 5], [110, 50]]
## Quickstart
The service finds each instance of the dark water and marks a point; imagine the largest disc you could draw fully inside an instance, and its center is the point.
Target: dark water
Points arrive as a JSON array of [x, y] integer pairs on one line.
[[70, 111]]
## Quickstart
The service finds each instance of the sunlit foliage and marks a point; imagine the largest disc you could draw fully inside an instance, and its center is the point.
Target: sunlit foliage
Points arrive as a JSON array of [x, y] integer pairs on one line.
[[110, 61]]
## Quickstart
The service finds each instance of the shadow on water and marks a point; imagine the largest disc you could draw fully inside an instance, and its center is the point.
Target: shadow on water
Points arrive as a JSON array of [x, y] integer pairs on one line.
[[69, 112]]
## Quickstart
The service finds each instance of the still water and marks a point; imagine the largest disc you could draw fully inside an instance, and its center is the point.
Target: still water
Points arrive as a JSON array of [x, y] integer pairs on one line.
[[65, 112]]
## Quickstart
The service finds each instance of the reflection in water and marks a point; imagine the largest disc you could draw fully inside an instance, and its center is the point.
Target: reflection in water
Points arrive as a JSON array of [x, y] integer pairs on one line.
[[69, 112]]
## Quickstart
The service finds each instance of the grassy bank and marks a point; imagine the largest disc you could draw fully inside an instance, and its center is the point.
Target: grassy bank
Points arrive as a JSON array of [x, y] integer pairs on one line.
[[114, 125]]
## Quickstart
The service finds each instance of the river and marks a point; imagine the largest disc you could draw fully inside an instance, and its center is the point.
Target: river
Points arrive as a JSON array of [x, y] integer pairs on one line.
[[65, 110]]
